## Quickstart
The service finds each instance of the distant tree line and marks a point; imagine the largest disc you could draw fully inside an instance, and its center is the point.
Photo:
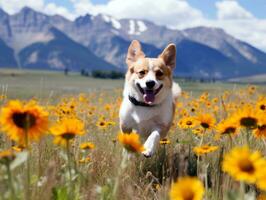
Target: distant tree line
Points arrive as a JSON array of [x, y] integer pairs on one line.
[[197, 79], [104, 74], [112, 74]]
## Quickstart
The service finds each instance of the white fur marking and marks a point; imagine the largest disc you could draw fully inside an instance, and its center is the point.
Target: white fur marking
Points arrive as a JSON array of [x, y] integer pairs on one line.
[[151, 143], [150, 64]]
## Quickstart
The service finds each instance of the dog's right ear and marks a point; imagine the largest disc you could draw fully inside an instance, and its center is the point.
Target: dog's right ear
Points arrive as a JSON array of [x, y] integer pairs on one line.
[[134, 52]]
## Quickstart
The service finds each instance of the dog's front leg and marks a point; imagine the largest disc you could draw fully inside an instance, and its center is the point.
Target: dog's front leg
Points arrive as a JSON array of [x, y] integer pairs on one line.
[[151, 143]]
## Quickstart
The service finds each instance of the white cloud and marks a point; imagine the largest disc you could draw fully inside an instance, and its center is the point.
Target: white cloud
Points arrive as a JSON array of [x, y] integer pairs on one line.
[[240, 23], [53, 9], [231, 10], [231, 16], [164, 12], [13, 6]]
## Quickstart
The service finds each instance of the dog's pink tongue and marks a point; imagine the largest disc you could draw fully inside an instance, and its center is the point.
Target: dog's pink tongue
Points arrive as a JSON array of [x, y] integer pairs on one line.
[[149, 96]]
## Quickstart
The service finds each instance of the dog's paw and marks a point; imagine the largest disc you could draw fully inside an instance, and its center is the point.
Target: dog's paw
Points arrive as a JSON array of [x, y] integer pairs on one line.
[[147, 153]]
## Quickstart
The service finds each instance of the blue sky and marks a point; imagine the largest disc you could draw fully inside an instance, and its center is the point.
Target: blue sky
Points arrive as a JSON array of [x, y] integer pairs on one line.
[[256, 7], [243, 19]]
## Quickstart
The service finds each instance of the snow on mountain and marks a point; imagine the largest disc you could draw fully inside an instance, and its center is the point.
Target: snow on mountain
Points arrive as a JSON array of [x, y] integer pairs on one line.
[[201, 51]]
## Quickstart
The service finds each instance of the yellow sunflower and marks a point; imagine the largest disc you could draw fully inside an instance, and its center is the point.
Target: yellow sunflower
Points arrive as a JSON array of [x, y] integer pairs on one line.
[[111, 123], [23, 122], [227, 127], [82, 98], [18, 148], [164, 141], [204, 97], [260, 131], [187, 122], [204, 149], [207, 121], [85, 160], [198, 131], [102, 124], [261, 104], [215, 100], [261, 197], [90, 113], [187, 188], [243, 165], [261, 181], [2, 97], [87, 146], [131, 142], [7, 156], [66, 130], [246, 117], [251, 89]]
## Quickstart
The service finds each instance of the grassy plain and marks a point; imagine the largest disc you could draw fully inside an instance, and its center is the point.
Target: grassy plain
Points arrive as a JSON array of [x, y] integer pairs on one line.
[[109, 173], [44, 84]]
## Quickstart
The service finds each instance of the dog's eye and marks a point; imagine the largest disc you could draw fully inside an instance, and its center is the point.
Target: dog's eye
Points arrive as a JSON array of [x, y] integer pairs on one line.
[[159, 73], [142, 72]]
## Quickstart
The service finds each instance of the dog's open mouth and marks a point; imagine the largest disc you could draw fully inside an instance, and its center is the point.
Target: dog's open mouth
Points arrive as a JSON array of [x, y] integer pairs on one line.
[[148, 94]]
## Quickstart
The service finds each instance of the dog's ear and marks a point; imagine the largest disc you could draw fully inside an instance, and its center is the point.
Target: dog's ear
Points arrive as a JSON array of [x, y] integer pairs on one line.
[[134, 52], [169, 55]]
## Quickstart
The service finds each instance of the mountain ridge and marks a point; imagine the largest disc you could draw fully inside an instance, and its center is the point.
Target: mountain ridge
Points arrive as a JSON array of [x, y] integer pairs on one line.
[[202, 51]]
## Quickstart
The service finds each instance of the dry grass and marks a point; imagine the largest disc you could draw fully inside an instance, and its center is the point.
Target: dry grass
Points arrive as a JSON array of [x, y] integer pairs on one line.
[[113, 174]]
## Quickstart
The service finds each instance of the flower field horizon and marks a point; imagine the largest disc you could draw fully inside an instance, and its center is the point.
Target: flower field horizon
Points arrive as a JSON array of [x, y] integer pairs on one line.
[[59, 142]]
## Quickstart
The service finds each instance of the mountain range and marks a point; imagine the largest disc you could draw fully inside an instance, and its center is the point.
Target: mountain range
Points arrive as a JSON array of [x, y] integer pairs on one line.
[[31, 39]]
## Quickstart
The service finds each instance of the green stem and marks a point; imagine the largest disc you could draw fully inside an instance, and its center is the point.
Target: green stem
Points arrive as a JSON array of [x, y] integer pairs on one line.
[[247, 136], [198, 157], [201, 139], [242, 190], [206, 165], [10, 182], [230, 141], [28, 192], [68, 159], [120, 171], [198, 169], [69, 169], [219, 182]]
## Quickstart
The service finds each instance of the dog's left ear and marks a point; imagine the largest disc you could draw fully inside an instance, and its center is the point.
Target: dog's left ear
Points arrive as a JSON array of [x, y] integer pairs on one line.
[[169, 55]]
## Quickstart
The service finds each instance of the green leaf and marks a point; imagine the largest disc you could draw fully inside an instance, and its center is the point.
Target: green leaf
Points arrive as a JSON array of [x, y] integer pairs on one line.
[[60, 193]]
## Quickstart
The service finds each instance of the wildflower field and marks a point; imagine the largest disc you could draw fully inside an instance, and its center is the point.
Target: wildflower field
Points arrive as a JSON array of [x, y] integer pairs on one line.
[[60, 139]]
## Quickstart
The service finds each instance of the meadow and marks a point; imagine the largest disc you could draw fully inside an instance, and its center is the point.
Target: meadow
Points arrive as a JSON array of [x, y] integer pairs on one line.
[[60, 139]]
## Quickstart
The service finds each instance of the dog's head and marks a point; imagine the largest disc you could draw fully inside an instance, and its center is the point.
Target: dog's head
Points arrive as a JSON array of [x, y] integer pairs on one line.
[[150, 79]]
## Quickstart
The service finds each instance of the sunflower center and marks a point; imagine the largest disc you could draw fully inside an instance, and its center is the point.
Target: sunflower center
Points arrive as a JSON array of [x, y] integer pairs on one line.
[[102, 124], [247, 166], [189, 123], [205, 148], [189, 195], [262, 128], [249, 122], [130, 148], [205, 125], [24, 120], [68, 136], [229, 130], [263, 107]]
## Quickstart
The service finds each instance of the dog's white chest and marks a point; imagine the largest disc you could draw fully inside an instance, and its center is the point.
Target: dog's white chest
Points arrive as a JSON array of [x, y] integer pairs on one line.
[[146, 119]]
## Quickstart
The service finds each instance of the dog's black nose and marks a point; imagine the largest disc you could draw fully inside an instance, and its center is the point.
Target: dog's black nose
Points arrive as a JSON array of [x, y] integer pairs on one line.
[[150, 84]]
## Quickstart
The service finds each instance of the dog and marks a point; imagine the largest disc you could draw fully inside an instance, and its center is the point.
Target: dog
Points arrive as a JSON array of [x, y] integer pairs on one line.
[[149, 95]]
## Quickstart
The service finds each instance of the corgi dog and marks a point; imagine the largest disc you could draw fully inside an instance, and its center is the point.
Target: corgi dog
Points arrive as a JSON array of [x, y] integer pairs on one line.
[[149, 95]]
